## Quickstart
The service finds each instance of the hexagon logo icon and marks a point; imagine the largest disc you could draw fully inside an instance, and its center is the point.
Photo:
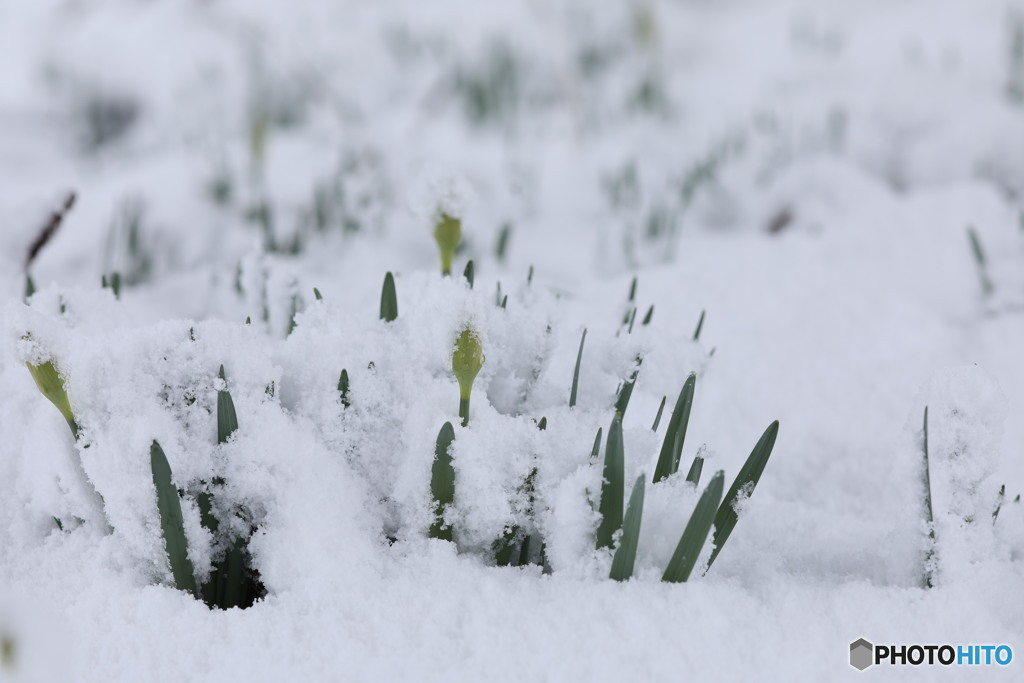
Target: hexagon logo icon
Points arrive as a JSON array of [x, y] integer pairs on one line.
[[862, 654]]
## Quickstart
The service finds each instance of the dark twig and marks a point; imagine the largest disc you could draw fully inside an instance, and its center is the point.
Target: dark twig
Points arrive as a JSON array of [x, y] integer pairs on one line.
[[56, 218]]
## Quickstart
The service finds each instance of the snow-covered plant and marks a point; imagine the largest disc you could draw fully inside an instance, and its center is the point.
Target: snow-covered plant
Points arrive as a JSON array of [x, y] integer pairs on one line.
[[52, 387], [467, 359]]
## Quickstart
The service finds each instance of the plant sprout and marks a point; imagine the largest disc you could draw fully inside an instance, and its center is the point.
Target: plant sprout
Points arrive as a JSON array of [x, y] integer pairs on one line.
[[447, 234], [467, 360]]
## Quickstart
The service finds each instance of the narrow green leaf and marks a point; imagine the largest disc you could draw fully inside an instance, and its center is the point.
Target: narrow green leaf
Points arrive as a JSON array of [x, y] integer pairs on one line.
[[388, 299], [675, 436], [657, 418], [626, 392], [576, 372], [442, 481], [744, 485], [30, 287], [700, 326], [928, 578], [171, 521], [632, 289], [234, 575], [505, 546], [316, 293], [625, 555], [502, 247], [504, 301], [543, 424], [597, 444], [524, 552], [115, 285], [650, 314], [696, 467], [468, 273], [227, 421], [612, 486], [980, 261], [696, 533], [343, 387], [529, 276], [999, 503], [632, 319]]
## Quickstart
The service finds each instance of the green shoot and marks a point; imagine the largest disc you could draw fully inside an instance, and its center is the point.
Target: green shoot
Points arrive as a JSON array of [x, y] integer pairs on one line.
[[675, 436], [316, 293], [52, 387], [30, 287], [468, 273], [999, 503], [447, 234], [650, 314], [596, 450], [928, 579], [625, 555], [746, 481], [388, 299], [693, 476], [576, 372], [467, 360], [343, 387], [980, 261], [696, 533], [442, 481], [502, 248], [700, 326], [626, 391], [227, 421], [171, 521], [612, 486], [657, 418]]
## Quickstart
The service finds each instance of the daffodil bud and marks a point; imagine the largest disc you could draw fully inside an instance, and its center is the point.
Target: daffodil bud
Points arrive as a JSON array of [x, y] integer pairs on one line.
[[467, 360], [447, 234], [52, 387]]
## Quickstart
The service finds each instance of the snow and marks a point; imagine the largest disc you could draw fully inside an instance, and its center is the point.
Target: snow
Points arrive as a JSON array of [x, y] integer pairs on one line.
[[804, 172]]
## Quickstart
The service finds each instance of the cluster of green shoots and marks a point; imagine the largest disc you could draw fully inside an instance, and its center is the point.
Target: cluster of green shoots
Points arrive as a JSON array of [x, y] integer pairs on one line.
[[234, 583]]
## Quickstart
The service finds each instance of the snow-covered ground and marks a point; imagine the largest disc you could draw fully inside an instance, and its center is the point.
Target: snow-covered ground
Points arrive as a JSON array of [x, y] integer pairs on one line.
[[805, 172]]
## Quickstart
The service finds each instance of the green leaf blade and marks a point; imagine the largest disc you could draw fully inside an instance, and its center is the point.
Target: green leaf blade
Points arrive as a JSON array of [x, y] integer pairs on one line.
[[576, 372], [624, 560], [171, 521], [675, 435], [388, 299], [746, 481], [696, 533], [612, 486], [227, 420], [442, 481]]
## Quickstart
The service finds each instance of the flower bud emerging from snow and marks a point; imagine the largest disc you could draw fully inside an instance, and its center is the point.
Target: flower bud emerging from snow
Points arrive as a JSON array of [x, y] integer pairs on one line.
[[50, 385], [448, 234], [467, 360]]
